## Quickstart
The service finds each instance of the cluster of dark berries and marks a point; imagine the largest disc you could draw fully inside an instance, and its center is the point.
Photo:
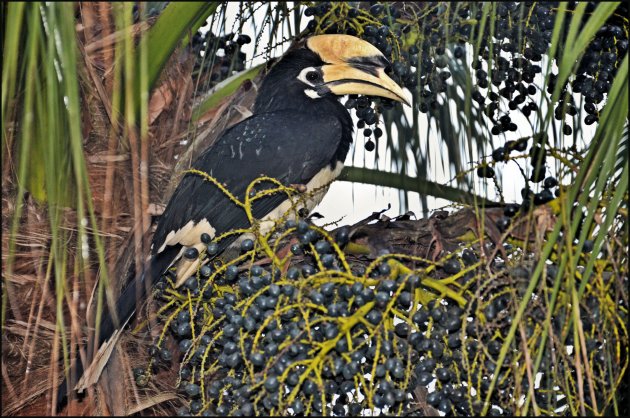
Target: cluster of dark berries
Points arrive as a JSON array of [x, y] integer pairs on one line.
[[598, 67], [218, 57], [331, 333], [517, 52], [422, 39], [537, 158], [253, 338], [368, 116]]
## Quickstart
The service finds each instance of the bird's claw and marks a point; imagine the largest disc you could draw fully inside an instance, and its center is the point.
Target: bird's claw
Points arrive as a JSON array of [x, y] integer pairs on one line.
[[299, 187]]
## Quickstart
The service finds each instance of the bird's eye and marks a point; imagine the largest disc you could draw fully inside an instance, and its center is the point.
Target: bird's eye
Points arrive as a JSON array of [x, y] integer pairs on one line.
[[312, 76]]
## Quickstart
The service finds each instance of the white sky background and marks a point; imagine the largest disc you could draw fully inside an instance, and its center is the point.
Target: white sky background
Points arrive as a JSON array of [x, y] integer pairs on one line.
[[355, 201]]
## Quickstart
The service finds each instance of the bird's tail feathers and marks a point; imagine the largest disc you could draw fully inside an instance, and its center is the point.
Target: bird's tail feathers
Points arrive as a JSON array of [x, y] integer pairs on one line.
[[125, 308]]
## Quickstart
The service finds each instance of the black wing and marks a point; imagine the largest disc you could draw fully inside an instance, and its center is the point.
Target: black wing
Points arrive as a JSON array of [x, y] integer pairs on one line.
[[289, 146]]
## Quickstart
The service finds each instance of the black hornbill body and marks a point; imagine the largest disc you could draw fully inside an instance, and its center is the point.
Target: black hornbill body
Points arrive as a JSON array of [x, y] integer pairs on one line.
[[299, 133]]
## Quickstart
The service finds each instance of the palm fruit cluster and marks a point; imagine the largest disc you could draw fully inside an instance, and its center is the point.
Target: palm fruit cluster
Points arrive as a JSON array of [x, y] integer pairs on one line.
[[262, 340], [420, 39], [305, 321], [426, 41], [218, 57]]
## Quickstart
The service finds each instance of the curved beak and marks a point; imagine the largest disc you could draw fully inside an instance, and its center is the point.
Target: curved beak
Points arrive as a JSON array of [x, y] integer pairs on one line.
[[354, 66], [344, 79]]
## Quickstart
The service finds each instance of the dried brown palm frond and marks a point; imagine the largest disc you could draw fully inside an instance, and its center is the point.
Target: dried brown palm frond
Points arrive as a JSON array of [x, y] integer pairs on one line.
[[108, 164]]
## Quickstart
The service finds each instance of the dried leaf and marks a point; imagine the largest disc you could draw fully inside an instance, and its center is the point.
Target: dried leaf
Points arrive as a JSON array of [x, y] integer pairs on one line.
[[95, 369]]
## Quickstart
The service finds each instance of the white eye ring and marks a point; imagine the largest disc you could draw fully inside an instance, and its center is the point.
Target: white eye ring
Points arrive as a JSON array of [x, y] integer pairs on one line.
[[310, 76]]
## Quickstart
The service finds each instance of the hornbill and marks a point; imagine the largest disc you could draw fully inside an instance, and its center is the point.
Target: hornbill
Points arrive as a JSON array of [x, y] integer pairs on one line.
[[299, 133]]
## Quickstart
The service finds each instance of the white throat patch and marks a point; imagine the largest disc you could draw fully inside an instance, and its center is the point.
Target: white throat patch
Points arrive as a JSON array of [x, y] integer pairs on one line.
[[312, 94]]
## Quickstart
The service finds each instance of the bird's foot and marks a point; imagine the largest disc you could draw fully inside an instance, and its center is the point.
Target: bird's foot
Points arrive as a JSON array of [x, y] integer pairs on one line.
[[299, 187]]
